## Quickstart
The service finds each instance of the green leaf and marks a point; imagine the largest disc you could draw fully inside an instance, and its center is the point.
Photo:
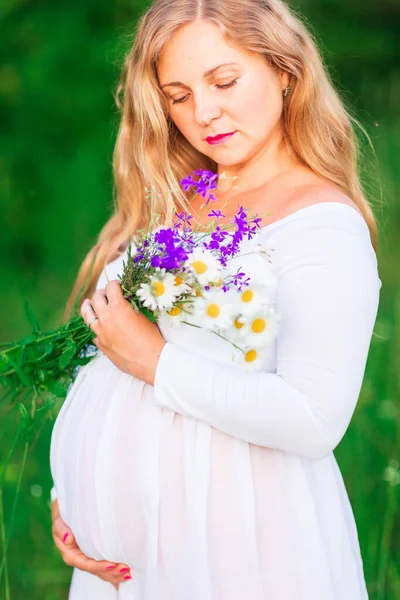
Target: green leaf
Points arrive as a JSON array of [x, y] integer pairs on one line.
[[148, 314], [56, 388], [82, 360], [30, 339], [29, 433], [48, 348], [31, 316], [24, 377], [41, 375], [67, 355], [24, 412]]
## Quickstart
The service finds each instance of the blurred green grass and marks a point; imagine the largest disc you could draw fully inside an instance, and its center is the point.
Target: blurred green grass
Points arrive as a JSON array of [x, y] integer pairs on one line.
[[58, 68]]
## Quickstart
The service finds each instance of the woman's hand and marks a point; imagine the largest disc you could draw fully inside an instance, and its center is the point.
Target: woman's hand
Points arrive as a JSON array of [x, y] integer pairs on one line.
[[131, 341], [73, 557]]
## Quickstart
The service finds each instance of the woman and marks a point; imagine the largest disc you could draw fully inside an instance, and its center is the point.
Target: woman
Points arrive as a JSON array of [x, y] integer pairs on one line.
[[198, 480]]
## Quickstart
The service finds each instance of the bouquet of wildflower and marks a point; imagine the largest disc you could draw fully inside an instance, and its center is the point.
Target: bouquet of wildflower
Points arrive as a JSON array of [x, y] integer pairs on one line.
[[177, 274], [174, 276]]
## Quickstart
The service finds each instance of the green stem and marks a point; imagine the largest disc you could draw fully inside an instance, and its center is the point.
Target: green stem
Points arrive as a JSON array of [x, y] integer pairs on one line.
[[3, 543], [13, 510], [386, 542], [4, 564], [218, 334], [10, 453], [80, 326], [85, 340]]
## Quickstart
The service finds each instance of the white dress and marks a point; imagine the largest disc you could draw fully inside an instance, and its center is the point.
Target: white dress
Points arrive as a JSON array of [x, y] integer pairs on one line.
[[219, 484]]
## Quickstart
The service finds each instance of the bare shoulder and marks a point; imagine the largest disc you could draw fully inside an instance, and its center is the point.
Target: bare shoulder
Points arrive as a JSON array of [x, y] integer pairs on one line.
[[316, 193]]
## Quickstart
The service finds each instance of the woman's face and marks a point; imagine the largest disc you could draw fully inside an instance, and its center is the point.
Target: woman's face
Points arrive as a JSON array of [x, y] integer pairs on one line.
[[249, 104]]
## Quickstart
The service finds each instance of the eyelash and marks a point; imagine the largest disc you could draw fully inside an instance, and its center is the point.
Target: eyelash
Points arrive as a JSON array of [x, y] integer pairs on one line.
[[225, 86]]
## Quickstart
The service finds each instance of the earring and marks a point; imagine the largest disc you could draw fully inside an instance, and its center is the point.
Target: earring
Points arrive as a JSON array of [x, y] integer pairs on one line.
[[286, 91]]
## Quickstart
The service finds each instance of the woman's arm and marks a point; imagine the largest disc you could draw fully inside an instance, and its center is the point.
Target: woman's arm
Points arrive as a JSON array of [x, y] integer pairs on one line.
[[327, 297]]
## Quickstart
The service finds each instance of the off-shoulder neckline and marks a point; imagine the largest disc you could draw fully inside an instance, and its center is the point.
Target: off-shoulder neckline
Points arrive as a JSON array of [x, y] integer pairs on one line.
[[311, 207], [298, 213]]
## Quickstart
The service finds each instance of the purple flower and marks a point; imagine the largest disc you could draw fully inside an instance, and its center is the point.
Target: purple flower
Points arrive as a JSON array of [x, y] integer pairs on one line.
[[155, 261], [206, 183], [215, 213], [184, 219]]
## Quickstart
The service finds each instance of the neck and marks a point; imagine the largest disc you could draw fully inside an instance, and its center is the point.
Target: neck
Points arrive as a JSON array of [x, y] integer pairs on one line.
[[272, 161]]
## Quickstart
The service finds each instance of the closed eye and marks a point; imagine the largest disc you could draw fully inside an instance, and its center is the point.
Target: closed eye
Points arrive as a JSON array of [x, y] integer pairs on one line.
[[225, 86]]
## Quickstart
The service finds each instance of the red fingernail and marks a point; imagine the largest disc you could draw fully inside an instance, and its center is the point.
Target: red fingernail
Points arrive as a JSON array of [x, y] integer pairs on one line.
[[124, 570], [65, 536], [127, 577], [111, 567]]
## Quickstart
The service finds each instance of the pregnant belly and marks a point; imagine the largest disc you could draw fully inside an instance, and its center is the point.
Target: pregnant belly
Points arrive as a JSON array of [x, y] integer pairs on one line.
[[107, 466], [180, 501]]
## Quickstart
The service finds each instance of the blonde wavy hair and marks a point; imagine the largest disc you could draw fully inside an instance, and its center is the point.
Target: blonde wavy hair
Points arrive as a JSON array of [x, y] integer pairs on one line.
[[150, 151]]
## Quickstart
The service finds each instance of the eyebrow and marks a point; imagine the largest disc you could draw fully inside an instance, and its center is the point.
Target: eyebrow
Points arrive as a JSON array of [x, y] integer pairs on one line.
[[205, 74]]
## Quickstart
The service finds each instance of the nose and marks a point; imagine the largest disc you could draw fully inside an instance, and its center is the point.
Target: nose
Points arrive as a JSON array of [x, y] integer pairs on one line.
[[206, 108]]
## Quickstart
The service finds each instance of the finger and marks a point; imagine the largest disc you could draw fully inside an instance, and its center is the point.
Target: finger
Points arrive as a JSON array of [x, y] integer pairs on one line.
[[120, 571], [62, 531], [98, 567], [74, 557], [99, 301], [88, 314], [87, 311], [67, 553], [113, 291], [119, 574]]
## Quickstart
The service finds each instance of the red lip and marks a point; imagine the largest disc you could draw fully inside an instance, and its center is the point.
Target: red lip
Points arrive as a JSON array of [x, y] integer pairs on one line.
[[218, 137]]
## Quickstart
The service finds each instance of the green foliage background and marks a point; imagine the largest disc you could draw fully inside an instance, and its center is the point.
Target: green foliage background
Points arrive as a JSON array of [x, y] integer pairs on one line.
[[58, 69]]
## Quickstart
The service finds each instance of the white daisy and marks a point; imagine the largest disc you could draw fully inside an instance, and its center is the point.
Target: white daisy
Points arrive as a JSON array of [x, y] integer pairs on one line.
[[204, 266], [252, 359], [174, 316], [182, 286], [233, 331], [161, 292], [259, 329], [213, 310], [251, 299]]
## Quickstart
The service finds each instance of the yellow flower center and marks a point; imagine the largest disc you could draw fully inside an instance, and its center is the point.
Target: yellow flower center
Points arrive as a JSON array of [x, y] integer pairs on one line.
[[198, 292], [199, 266], [213, 310], [175, 310], [178, 280], [159, 288], [238, 324], [258, 325], [251, 356], [247, 296]]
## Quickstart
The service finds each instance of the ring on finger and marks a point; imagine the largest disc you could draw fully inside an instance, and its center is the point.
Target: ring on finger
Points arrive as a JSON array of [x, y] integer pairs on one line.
[[91, 321]]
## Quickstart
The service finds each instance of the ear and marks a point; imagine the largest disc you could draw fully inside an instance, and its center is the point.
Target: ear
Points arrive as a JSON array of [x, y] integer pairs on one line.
[[285, 78]]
